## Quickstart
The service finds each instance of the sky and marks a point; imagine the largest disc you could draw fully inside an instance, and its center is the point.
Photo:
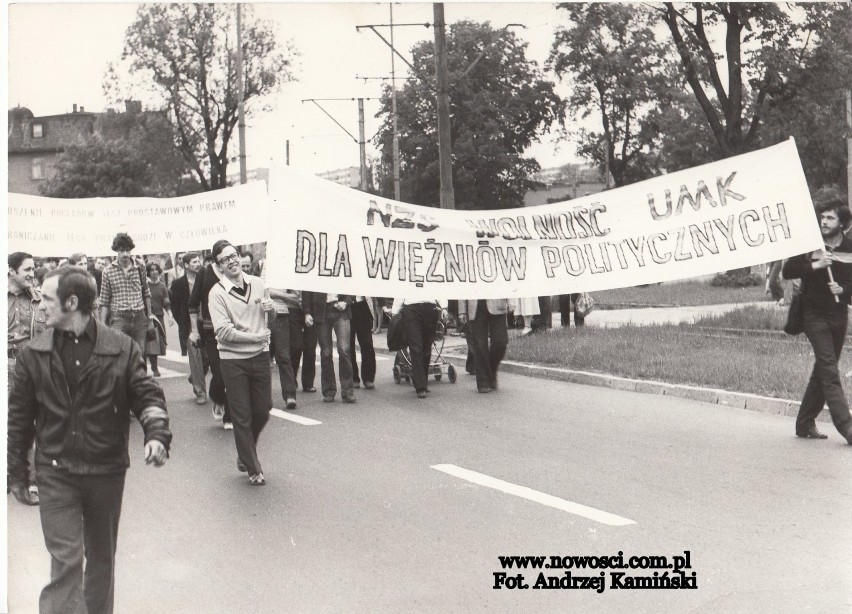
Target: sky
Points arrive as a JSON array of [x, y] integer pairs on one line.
[[58, 54]]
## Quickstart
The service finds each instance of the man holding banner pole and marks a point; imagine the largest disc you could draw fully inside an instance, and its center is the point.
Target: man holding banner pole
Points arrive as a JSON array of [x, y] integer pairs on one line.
[[826, 287]]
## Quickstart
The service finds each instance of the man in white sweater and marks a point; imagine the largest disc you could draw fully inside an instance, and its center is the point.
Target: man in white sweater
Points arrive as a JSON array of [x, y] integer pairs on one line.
[[238, 307]]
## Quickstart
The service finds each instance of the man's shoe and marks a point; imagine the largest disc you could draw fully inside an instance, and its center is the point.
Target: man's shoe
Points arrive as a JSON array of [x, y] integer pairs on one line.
[[421, 394], [228, 426], [218, 412], [200, 399], [356, 384], [485, 390], [811, 433], [369, 385], [291, 403], [156, 373], [309, 389], [349, 398], [329, 398], [257, 480], [24, 495], [241, 467]]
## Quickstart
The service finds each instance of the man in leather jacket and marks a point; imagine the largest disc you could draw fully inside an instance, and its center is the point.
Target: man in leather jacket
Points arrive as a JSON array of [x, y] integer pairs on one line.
[[75, 387]]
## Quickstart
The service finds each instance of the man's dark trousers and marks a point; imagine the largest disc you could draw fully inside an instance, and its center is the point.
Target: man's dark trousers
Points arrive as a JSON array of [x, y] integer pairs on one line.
[[303, 342], [73, 505], [280, 331], [249, 387], [826, 332], [361, 327], [490, 340], [217, 382], [419, 320], [565, 301]]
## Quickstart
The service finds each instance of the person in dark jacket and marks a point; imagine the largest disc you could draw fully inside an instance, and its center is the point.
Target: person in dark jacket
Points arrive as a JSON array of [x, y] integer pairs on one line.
[[179, 293], [202, 334], [332, 312], [826, 287], [75, 387]]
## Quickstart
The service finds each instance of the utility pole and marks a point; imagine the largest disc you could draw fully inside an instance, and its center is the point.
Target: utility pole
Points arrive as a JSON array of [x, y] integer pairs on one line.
[[362, 144], [396, 194], [362, 141], [445, 150], [394, 53], [241, 126], [287, 152]]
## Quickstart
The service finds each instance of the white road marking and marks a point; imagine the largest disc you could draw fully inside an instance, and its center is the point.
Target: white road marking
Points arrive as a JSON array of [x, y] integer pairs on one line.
[[534, 495], [294, 418]]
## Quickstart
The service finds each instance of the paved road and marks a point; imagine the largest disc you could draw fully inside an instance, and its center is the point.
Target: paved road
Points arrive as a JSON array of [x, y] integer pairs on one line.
[[357, 518]]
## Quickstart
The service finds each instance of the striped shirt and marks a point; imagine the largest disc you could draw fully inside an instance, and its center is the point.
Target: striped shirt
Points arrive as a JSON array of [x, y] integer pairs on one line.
[[122, 291]]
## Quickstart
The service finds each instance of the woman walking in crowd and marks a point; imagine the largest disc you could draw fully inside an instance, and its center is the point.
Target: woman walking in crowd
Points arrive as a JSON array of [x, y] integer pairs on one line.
[[159, 305]]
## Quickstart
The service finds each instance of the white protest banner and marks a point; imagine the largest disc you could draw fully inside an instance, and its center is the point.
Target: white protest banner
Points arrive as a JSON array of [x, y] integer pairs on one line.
[[738, 212], [60, 226]]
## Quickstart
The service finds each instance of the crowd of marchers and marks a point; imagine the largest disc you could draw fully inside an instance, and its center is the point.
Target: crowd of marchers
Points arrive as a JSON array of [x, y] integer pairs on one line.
[[80, 339]]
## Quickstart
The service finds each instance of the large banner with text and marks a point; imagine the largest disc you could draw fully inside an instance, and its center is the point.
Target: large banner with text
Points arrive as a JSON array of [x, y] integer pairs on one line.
[[59, 227], [742, 211]]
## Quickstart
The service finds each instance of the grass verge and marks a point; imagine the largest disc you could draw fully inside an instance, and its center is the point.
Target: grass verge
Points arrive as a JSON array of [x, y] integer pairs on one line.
[[745, 318], [681, 293], [773, 367]]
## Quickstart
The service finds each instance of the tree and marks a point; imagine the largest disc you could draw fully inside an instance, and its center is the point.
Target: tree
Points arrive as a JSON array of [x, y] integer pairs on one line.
[[617, 69], [188, 53], [151, 135], [810, 105], [129, 154], [762, 42], [99, 167], [499, 103]]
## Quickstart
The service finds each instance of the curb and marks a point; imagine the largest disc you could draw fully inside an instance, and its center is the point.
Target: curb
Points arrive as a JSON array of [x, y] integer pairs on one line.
[[715, 396]]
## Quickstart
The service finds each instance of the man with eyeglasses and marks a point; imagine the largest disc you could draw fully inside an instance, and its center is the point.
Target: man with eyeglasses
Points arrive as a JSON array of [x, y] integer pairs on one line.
[[125, 299], [239, 305]]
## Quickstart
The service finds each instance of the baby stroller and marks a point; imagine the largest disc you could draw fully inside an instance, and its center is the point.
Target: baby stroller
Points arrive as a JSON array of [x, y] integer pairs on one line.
[[437, 366]]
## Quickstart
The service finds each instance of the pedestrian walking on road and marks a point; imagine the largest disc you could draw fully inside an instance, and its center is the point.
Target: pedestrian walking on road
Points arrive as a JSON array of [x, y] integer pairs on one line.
[[826, 287], [238, 308], [76, 385], [203, 335], [361, 328], [488, 338], [179, 293], [331, 313], [419, 321], [125, 301]]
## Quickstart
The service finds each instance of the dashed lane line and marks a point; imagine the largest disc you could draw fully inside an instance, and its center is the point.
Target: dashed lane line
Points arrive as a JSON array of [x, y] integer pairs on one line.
[[577, 509], [294, 418]]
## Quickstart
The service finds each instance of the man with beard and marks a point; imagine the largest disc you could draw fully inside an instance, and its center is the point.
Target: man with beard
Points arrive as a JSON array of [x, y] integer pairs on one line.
[[826, 286]]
